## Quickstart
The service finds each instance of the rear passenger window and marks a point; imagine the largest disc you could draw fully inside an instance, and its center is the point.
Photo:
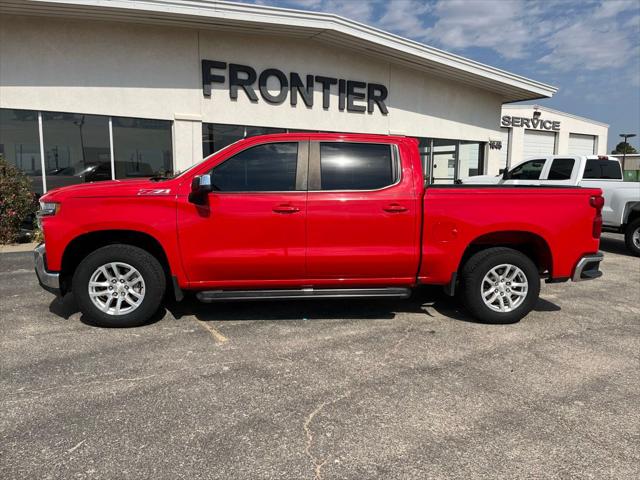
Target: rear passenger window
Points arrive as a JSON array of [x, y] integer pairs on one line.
[[608, 169], [561, 168], [357, 166], [263, 168]]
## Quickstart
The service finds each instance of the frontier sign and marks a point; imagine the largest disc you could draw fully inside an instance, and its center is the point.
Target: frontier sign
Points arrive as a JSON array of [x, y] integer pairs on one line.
[[535, 123], [354, 96]]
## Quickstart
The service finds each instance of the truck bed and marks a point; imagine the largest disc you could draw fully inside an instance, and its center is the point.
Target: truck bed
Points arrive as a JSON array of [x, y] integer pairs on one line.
[[458, 218]]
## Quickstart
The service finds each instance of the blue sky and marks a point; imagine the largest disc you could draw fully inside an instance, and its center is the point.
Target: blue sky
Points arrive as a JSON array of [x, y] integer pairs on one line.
[[589, 49]]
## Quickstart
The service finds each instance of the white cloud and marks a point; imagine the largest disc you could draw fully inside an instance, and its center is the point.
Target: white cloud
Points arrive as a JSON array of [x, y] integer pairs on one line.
[[611, 8], [304, 4], [360, 11], [561, 35], [403, 17], [500, 25], [596, 40]]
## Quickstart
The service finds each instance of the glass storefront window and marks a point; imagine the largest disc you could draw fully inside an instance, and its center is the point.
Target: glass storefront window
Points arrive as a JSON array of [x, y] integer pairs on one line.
[[76, 148], [253, 131], [470, 156], [444, 161], [217, 136], [20, 143], [142, 147], [445, 155]]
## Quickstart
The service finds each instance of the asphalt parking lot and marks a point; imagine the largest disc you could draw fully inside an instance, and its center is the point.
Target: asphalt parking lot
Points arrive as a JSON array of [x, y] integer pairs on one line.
[[332, 389]]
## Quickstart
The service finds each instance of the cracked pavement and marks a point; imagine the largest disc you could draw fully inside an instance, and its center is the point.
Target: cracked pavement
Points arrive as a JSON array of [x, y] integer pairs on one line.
[[340, 389]]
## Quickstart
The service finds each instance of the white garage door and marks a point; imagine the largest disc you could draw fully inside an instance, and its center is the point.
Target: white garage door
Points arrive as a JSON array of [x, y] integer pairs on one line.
[[504, 151], [581, 144], [537, 143]]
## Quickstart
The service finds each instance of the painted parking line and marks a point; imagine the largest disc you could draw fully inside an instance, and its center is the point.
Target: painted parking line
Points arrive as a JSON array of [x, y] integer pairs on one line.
[[217, 336]]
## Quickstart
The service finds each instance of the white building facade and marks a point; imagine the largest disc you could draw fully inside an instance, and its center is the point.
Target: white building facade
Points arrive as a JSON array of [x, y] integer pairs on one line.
[[531, 130], [93, 90]]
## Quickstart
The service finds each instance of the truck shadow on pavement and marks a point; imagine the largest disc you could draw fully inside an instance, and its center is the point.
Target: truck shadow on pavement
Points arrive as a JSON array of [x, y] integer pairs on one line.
[[66, 307], [614, 245], [429, 300]]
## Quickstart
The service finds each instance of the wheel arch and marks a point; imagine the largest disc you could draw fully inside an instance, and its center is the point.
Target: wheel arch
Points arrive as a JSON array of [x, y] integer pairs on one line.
[[632, 212], [81, 246], [530, 244]]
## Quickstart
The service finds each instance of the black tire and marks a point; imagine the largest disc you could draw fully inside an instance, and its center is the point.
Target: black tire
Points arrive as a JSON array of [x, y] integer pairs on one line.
[[628, 237], [148, 267], [473, 273]]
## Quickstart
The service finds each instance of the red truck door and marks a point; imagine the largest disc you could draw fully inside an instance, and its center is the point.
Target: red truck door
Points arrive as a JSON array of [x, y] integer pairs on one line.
[[251, 232], [361, 214]]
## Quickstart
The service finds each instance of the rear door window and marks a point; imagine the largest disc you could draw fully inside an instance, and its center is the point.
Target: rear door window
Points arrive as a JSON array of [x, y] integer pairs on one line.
[[530, 170], [357, 166], [602, 169], [561, 169]]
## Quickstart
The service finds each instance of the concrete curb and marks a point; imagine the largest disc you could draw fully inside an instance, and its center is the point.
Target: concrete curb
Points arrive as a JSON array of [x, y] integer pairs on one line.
[[18, 247]]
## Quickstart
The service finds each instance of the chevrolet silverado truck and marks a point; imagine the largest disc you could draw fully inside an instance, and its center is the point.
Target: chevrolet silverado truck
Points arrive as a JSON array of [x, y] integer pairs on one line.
[[621, 211], [300, 215]]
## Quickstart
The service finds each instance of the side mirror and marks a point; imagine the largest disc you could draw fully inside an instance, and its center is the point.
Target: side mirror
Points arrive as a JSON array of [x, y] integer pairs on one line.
[[505, 173], [200, 187], [201, 184]]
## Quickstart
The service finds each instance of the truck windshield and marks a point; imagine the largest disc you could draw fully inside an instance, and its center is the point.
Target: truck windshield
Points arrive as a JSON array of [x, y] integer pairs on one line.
[[607, 169]]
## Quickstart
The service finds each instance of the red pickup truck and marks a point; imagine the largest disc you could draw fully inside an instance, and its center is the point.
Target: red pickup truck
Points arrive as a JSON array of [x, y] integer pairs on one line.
[[312, 216]]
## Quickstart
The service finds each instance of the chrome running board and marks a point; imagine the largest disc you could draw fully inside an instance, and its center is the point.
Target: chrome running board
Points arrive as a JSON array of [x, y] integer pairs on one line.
[[226, 295]]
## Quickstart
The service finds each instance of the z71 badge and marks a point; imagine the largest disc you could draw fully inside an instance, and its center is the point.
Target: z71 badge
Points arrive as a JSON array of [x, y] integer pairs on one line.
[[154, 191]]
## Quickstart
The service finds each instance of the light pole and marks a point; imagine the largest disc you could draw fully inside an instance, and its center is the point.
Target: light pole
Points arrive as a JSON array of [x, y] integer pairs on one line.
[[624, 154]]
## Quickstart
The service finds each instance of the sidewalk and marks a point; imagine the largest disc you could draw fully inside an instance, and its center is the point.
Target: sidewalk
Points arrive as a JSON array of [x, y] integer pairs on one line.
[[18, 247]]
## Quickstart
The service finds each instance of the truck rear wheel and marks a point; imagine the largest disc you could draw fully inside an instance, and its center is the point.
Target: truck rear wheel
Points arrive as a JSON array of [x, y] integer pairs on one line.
[[632, 237], [500, 285], [119, 286]]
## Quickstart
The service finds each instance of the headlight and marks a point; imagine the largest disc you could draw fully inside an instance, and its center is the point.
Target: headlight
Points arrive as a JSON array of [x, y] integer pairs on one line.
[[48, 208]]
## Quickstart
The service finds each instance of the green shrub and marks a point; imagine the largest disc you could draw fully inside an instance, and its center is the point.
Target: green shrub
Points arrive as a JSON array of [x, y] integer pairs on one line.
[[17, 201]]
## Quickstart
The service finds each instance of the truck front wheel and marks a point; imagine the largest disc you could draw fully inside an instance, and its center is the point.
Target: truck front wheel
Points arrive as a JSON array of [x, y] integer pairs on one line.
[[500, 285], [632, 237], [119, 286]]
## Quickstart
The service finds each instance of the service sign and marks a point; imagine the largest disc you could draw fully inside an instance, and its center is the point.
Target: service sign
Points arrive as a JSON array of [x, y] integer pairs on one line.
[[353, 95], [534, 123]]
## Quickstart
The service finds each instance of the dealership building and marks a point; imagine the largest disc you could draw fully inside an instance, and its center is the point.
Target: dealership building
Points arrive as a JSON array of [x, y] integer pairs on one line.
[[93, 90]]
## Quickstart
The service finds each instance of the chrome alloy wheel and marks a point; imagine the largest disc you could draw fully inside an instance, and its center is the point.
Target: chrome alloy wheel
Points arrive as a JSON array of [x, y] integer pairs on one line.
[[635, 237], [116, 288], [504, 288]]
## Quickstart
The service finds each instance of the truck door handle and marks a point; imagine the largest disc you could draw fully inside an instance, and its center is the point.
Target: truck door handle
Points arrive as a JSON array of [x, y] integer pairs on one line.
[[285, 209], [395, 208]]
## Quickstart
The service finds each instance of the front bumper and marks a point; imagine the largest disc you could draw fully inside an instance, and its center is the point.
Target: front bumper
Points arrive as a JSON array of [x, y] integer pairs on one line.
[[50, 281], [588, 268]]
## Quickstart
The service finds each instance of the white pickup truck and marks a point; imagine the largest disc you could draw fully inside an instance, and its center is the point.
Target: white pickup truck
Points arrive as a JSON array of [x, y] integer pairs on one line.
[[621, 212]]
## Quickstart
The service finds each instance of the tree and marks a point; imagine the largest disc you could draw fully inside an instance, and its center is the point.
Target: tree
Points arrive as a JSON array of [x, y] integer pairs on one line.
[[624, 147]]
